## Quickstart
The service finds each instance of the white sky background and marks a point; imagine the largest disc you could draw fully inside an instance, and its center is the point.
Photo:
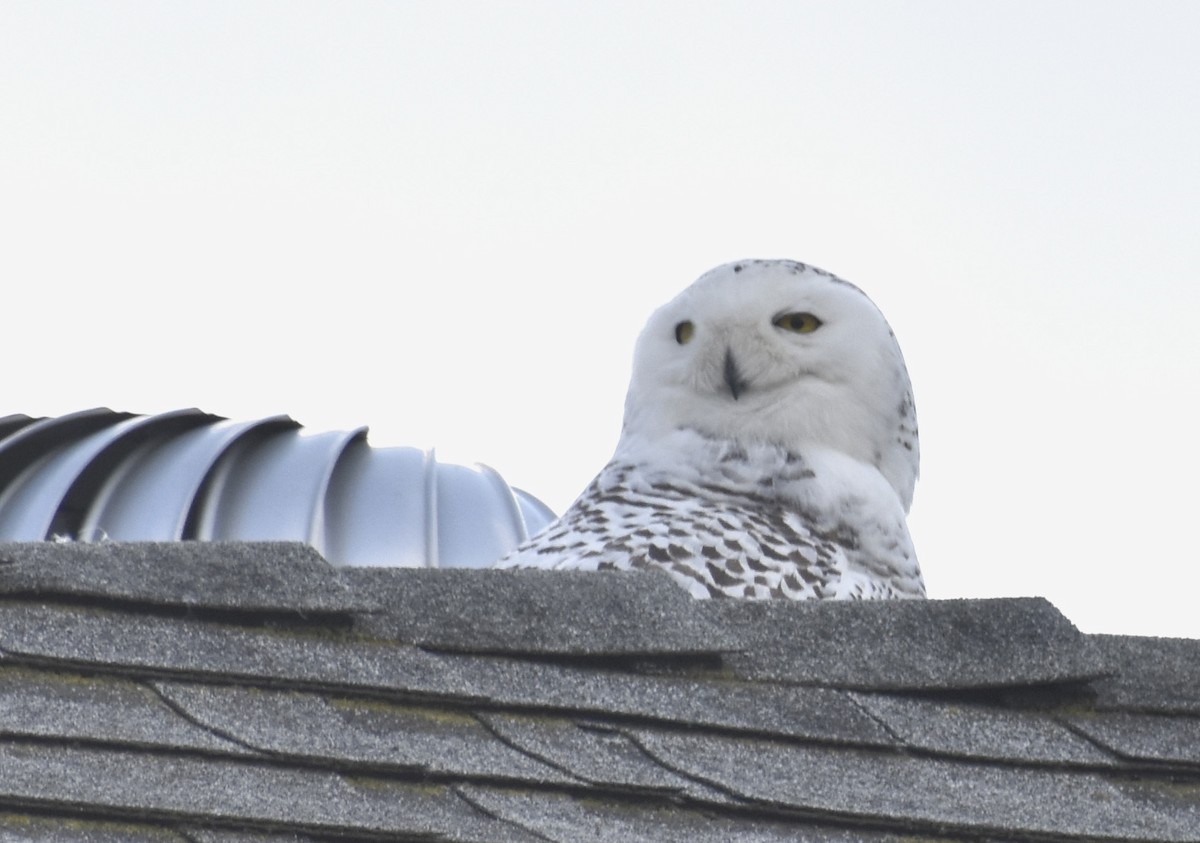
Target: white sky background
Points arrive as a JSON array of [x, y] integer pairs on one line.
[[448, 221]]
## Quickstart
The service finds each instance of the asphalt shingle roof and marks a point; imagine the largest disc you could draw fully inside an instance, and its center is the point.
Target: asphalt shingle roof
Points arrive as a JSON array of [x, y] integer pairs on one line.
[[251, 693]]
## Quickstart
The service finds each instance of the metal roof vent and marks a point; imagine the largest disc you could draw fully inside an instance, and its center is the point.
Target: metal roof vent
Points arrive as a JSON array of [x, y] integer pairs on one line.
[[187, 475]]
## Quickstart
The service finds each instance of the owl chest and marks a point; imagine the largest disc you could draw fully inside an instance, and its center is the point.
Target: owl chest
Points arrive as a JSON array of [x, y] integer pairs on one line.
[[665, 522]]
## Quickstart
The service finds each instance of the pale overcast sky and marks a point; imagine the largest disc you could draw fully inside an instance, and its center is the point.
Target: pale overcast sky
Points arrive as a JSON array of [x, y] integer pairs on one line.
[[448, 221]]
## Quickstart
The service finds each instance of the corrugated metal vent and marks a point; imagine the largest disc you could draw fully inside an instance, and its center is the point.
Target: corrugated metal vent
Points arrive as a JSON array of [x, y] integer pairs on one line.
[[188, 475]]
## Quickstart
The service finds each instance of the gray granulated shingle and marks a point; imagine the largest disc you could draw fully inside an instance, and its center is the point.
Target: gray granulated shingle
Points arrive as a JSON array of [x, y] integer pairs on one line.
[[561, 818], [150, 645], [905, 644], [108, 710], [209, 835], [198, 649], [206, 706], [973, 798], [1149, 674], [980, 731], [593, 753], [1148, 737], [242, 576], [817, 713], [140, 786], [532, 611], [308, 727], [30, 828]]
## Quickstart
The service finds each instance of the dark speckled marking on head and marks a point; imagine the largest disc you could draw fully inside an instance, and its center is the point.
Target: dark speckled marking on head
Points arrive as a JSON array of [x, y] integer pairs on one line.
[[796, 268]]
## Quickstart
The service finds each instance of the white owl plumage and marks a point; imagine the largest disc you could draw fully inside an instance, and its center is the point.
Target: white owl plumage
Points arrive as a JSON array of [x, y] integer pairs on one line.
[[769, 447]]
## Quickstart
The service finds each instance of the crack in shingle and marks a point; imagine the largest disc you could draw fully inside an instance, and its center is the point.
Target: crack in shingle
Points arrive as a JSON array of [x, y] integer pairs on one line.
[[461, 792], [528, 753], [879, 721], [159, 691], [699, 780]]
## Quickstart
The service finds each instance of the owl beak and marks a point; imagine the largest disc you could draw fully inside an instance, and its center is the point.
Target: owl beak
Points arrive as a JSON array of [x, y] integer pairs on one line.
[[733, 377]]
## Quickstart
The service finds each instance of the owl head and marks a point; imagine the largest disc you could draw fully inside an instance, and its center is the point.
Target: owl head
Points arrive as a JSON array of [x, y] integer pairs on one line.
[[777, 352]]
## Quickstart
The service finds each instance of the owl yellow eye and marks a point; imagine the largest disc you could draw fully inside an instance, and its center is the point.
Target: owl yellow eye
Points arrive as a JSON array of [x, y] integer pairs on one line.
[[683, 332], [798, 323]]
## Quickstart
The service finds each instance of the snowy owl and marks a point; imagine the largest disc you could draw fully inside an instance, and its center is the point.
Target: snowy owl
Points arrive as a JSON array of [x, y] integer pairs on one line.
[[769, 447]]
